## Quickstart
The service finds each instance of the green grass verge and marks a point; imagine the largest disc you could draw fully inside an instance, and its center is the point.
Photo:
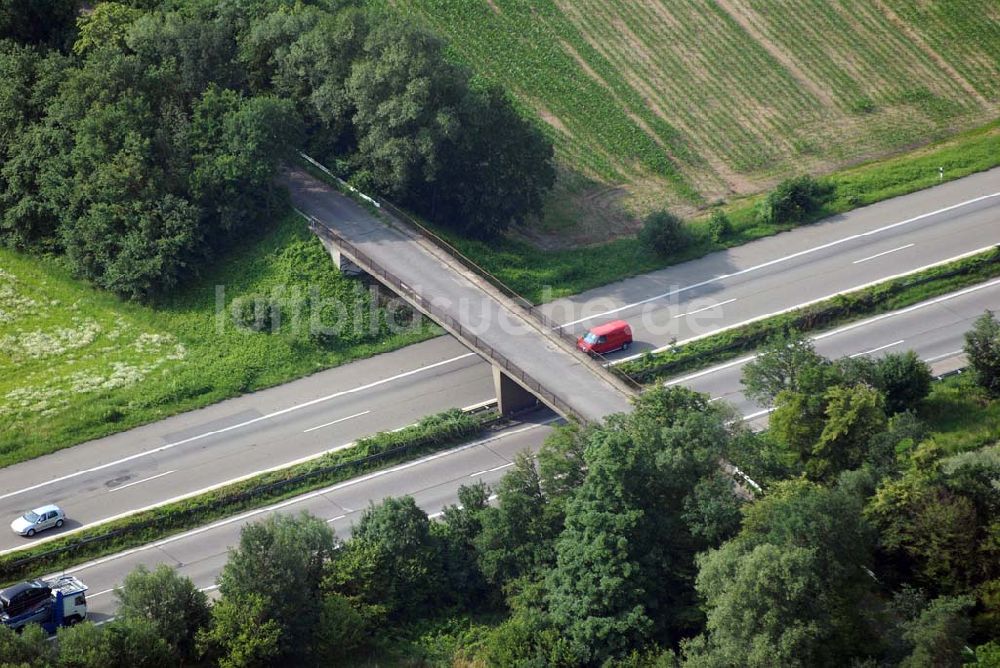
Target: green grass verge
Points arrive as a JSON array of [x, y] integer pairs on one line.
[[884, 297], [960, 415], [542, 275], [77, 363], [433, 433]]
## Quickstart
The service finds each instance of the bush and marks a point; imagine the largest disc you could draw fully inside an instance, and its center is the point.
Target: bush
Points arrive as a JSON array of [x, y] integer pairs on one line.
[[793, 200], [982, 345], [719, 227], [664, 233], [257, 313]]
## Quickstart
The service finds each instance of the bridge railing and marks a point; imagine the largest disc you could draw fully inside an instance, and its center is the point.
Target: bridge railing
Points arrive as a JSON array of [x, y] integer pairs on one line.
[[372, 267], [506, 290]]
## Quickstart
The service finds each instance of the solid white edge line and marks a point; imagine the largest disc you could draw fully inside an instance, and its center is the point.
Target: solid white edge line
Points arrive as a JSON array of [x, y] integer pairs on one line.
[[223, 430], [203, 490], [872, 257], [875, 350], [304, 497], [938, 358], [139, 482], [847, 328], [707, 308], [785, 258], [802, 305], [338, 421]]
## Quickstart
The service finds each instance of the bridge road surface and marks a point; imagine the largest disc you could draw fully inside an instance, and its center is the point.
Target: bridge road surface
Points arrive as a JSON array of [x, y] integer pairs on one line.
[[590, 392], [111, 476], [814, 261], [934, 329]]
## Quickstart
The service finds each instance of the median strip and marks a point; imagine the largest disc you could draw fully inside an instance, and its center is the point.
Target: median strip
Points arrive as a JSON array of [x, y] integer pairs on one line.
[[374, 453], [880, 298]]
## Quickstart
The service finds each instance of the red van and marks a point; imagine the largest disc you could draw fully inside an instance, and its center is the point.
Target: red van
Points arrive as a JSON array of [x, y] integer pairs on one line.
[[602, 339]]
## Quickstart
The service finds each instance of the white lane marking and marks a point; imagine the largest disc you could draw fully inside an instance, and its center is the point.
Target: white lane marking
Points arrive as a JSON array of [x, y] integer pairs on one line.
[[872, 257], [203, 490], [707, 308], [765, 316], [495, 468], [304, 497], [139, 482], [334, 519], [214, 432], [946, 355], [779, 260], [343, 419], [102, 593], [875, 350], [841, 330], [209, 588], [766, 411]]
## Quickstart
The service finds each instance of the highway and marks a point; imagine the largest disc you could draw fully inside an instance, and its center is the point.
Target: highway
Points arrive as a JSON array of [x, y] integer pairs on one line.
[[190, 452], [934, 329], [807, 264]]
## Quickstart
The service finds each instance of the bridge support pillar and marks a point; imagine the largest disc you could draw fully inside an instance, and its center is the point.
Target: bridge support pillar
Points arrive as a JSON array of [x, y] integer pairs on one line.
[[511, 397], [343, 264]]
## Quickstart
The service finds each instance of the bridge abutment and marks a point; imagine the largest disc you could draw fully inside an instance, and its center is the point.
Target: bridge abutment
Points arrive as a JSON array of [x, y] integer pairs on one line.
[[511, 397], [340, 261]]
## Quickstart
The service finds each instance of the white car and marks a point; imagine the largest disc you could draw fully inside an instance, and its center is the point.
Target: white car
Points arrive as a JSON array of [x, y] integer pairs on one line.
[[37, 520]]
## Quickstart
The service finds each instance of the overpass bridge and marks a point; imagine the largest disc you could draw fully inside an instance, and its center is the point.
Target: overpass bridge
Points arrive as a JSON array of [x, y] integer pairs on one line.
[[531, 358]]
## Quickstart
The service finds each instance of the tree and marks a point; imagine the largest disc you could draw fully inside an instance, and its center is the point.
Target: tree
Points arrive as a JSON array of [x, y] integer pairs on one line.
[[903, 378], [982, 346], [341, 630], [597, 596], [712, 511], [854, 416], [282, 559], [664, 233], [105, 26], [793, 200], [787, 361], [83, 646], [517, 534], [939, 634], [29, 647], [392, 560], [495, 175], [787, 589], [134, 642], [242, 634], [175, 607], [49, 22], [406, 98], [765, 607]]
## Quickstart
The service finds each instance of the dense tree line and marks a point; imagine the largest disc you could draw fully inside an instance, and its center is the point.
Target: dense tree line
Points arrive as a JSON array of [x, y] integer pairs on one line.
[[139, 140], [868, 543]]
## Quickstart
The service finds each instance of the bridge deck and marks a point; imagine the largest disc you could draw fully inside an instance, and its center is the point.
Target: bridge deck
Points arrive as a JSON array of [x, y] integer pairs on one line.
[[463, 304]]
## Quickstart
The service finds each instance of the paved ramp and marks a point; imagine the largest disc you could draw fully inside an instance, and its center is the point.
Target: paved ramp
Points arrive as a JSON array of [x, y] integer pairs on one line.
[[468, 307]]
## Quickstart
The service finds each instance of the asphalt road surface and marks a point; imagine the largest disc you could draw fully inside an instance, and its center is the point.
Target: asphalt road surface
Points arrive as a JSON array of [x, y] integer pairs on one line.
[[190, 452], [934, 329], [810, 263]]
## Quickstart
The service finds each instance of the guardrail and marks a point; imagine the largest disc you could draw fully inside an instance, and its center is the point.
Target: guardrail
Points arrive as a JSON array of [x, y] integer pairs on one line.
[[372, 267], [524, 304], [10, 568]]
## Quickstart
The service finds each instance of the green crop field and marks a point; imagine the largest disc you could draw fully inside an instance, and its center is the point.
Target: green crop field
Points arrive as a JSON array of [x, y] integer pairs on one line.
[[683, 102], [76, 363]]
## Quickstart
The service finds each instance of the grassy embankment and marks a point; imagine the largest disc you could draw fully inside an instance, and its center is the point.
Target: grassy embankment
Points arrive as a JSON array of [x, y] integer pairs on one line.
[[77, 363], [528, 269], [885, 297]]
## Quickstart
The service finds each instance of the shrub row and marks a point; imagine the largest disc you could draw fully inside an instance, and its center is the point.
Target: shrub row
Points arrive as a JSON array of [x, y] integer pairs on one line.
[[367, 454], [881, 298]]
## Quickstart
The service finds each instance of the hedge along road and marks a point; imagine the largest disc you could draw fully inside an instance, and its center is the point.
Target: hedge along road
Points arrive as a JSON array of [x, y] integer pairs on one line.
[[934, 329], [791, 269], [190, 452]]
